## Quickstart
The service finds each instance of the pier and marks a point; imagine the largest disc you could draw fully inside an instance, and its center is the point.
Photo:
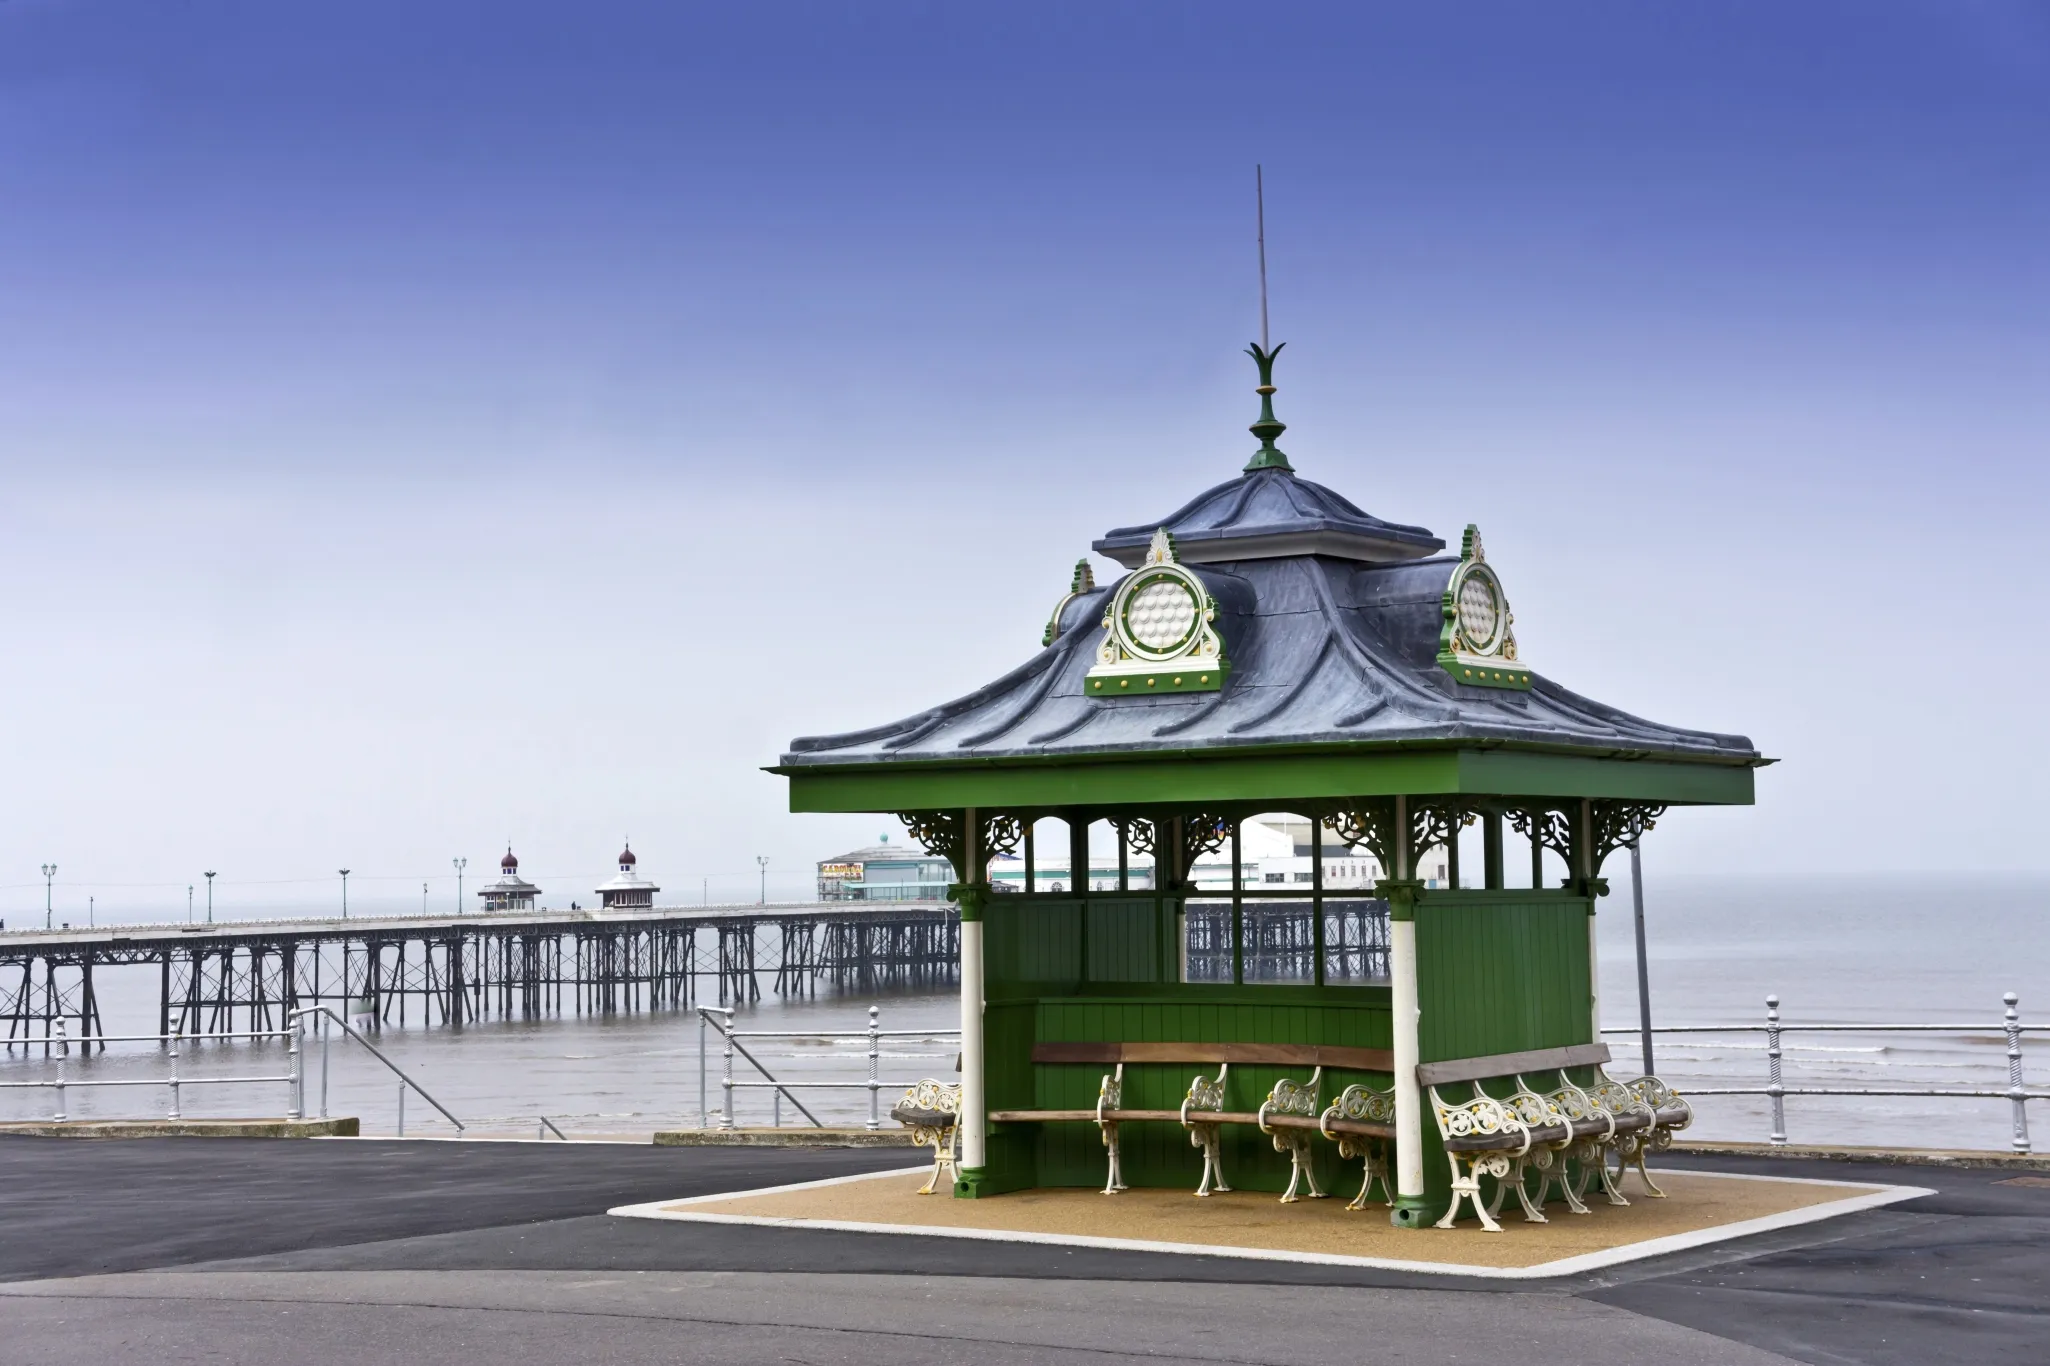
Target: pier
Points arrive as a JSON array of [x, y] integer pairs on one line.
[[455, 969]]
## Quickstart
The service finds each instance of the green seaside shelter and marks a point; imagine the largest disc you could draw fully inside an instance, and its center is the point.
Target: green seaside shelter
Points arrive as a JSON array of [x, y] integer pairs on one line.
[[1270, 649]]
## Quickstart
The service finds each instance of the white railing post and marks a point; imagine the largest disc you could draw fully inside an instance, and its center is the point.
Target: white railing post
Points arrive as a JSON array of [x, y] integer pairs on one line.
[[2017, 1093], [295, 1094], [402, 1109], [874, 1085], [324, 1021], [1772, 1056], [176, 1034], [726, 1114], [63, 1052], [704, 1105]]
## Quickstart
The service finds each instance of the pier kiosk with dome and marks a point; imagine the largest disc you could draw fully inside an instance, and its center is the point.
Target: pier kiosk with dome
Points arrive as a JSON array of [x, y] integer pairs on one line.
[[1272, 648]]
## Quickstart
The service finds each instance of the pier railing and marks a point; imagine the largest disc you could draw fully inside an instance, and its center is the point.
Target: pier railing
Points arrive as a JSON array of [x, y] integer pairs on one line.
[[2017, 1093], [732, 1045]]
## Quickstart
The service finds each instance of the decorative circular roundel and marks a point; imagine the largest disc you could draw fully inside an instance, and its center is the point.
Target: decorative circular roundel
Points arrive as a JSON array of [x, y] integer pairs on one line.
[[1480, 610], [1160, 615]]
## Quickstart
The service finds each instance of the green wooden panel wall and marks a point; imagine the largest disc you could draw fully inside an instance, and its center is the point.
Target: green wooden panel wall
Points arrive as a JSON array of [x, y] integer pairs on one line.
[[1124, 941], [1498, 972], [1037, 942]]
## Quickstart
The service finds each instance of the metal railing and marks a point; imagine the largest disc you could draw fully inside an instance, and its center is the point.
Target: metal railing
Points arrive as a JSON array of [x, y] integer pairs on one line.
[[779, 1090], [2016, 1092], [327, 1016], [294, 1078], [63, 1082]]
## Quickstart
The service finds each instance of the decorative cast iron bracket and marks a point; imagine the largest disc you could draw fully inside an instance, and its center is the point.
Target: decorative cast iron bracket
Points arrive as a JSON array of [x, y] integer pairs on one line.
[[939, 832], [1372, 822], [1619, 823], [1549, 827]]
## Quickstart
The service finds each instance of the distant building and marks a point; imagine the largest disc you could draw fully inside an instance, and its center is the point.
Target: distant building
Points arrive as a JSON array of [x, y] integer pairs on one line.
[[511, 892], [885, 872], [1272, 850], [628, 889]]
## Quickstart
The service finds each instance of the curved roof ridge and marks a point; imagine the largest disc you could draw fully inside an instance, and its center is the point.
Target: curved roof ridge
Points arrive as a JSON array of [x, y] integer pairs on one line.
[[1063, 645], [1289, 694], [1420, 704]]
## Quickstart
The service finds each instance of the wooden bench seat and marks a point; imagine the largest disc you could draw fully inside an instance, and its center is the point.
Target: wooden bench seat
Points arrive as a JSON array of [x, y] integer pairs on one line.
[[1289, 1114]]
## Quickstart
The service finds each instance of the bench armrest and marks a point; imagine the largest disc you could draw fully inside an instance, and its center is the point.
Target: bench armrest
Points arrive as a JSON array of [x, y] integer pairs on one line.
[[1480, 1117], [1362, 1104], [1288, 1098], [1206, 1093]]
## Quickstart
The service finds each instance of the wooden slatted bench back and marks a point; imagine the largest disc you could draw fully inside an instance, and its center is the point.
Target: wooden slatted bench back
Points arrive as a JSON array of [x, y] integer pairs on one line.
[[1510, 1064], [1238, 1054]]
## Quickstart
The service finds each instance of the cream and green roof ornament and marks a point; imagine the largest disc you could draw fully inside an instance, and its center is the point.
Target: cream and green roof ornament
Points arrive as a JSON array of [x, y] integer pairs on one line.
[[1477, 644], [1269, 456], [1159, 632], [1084, 581]]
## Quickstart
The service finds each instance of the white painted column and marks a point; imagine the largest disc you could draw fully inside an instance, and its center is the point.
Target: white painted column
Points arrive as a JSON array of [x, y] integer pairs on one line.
[[974, 1079], [1402, 994]]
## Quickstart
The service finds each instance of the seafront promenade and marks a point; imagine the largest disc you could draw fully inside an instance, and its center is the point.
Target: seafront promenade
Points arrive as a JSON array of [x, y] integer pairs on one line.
[[379, 1252]]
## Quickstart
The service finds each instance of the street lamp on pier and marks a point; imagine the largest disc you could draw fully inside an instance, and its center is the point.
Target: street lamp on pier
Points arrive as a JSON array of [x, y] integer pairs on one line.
[[188, 903], [460, 864], [49, 872], [762, 860], [345, 892], [209, 896]]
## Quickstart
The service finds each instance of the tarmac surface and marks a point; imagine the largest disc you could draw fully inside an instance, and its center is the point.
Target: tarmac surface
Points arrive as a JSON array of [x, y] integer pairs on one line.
[[375, 1252]]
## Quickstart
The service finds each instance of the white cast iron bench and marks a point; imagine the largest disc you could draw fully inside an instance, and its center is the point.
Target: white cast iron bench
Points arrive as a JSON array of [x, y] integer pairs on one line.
[[1289, 1114], [932, 1111], [1506, 1128]]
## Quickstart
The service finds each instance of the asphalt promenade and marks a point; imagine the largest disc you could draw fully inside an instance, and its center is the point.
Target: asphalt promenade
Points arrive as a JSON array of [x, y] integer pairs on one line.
[[376, 1253]]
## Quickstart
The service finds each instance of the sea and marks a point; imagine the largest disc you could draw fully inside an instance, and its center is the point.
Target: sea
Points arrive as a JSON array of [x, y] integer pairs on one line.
[[1860, 951]]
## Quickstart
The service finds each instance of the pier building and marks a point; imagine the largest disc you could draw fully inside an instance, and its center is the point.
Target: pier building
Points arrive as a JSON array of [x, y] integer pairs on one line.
[[884, 872], [511, 892], [627, 889]]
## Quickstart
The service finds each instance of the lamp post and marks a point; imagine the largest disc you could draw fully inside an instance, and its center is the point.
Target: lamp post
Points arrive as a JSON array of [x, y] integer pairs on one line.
[[49, 872], [89, 911], [460, 864], [345, 892], [188, 903], [762, 861], [423, 899], [209, 896]]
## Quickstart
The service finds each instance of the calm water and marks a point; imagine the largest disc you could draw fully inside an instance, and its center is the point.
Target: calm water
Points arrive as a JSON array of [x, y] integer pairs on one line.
[[1854, 952]]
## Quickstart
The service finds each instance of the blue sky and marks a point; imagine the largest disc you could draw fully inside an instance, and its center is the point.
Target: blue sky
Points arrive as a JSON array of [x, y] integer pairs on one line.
[[426, 425]]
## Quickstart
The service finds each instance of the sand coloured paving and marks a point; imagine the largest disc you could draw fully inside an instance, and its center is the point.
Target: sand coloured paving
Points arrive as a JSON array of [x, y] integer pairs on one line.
[[1258, 1220]]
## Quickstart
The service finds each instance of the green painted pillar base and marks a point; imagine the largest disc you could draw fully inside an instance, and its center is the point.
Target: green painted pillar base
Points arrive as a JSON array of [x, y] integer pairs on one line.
[[1411, 1211], [972, 1183]]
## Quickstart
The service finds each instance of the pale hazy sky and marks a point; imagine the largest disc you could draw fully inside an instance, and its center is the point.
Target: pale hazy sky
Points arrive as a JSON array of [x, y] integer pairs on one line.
[[426, 425]]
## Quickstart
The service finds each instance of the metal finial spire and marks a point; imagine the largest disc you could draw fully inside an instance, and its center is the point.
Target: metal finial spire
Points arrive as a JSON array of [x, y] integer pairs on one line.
[[1269, 456], [1260, 234]]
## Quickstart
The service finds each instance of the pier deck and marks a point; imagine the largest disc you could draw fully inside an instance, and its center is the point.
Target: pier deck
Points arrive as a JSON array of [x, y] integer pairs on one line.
[[384, 1252], [233, 975]]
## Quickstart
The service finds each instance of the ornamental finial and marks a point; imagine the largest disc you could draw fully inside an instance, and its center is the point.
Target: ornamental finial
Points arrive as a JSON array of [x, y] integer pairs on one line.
[[1269, 456]]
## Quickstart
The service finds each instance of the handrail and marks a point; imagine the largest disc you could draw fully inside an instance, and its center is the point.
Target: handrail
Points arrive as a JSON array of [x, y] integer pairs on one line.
[[874, 1034], [549, 1124], [705, 1016], [375, 1052]]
